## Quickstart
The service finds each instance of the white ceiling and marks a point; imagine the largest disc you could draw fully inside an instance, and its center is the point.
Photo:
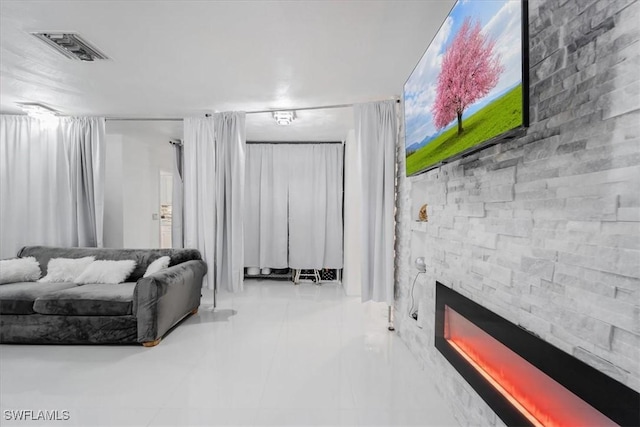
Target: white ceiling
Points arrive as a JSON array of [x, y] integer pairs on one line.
[[185, 58]]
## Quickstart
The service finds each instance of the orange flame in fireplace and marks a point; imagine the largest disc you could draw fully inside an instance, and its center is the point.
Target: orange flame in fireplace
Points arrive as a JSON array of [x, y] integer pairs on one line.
[[542, 400]]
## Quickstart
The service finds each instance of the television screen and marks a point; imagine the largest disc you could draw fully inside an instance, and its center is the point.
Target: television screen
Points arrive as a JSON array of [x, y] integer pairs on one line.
[[470, 87]]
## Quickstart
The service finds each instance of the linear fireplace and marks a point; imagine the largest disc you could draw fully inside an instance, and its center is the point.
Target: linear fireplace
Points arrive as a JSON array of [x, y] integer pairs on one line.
[[524, 379]]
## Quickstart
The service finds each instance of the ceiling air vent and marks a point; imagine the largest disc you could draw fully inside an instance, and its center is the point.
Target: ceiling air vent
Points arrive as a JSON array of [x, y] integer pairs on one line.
[[71, 45]]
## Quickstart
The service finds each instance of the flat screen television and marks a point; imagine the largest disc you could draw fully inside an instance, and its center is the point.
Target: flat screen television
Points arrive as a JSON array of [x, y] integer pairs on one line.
[[470, 88]]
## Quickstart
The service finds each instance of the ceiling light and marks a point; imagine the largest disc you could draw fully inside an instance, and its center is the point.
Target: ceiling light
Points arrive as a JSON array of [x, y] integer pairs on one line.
[[71, 45], [37, 110], [284, 118]]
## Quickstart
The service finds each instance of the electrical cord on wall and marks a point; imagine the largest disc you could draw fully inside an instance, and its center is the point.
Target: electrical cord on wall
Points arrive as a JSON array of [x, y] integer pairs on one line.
[[412, 300]]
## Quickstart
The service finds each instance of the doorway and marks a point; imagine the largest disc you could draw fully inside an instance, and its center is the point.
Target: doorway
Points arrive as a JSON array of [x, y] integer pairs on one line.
[[166, 193]]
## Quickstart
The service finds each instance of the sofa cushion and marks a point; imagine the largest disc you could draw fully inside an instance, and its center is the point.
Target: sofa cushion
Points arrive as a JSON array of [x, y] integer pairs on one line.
[[89, 300], [66, 269], [157, 265], [142, 257], [19, 270], [18, 298], [106, 271]]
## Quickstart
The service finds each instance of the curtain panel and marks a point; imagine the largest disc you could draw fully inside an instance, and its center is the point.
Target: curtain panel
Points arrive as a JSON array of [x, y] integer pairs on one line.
[[199, 175], [230, 179], [213, 190], [376, 137], [266, 229], [51, 182], [177, 198], [315, 206]]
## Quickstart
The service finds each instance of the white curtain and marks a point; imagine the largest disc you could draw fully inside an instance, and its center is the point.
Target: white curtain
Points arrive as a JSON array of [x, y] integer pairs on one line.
[[352, 272], [51, 182], [294, 206], [315, 206], [177, 199], [266, 206], [199, 177], [230, 178], [214, 174], [86, 146], [376, 136]]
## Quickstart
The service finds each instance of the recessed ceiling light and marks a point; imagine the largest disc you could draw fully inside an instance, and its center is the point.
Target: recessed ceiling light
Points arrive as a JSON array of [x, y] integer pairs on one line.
[[71, 45], [284, 118], [36, 110]]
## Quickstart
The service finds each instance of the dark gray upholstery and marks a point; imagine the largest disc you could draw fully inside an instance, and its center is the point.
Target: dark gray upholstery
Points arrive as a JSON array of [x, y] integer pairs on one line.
[[43, 329], [142, 257], [159, 299], [18, 298], [141, 311], [89, 300]]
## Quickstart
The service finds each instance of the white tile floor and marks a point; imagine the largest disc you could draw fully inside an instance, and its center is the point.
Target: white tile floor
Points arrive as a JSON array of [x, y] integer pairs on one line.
[[277, 354]]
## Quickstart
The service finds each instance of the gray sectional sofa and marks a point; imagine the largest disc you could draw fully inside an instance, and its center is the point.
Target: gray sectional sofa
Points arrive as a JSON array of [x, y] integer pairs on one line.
[[141, 310]]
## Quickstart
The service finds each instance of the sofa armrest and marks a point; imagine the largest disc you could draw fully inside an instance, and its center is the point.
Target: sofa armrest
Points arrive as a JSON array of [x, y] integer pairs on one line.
[[164, 298]]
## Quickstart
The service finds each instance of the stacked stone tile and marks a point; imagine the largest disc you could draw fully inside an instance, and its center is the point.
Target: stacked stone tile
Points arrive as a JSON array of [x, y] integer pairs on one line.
[[544, 229]]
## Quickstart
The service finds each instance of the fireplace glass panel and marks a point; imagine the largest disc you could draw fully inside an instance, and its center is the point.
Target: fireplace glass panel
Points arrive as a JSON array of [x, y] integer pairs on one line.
[[542, 400]]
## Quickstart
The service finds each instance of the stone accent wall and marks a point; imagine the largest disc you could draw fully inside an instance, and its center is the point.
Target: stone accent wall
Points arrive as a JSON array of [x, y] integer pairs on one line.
[[545, 229]]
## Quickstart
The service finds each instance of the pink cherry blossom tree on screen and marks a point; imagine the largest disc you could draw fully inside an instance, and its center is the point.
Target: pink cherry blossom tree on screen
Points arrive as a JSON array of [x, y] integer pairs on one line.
[[470, 69]]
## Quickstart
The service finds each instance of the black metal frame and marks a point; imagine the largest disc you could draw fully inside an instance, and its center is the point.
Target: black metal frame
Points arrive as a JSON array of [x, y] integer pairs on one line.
[[612, 398]]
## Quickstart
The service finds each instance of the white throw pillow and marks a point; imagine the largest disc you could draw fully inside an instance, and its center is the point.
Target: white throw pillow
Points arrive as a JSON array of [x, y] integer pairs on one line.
[[107, 272], [157, 265], [66, 269], [25, 269]]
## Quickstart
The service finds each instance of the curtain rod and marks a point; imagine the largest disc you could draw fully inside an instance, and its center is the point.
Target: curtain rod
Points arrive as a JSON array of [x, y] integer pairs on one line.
[[272, 110], [179, 142], [323, 107], [292, 142]]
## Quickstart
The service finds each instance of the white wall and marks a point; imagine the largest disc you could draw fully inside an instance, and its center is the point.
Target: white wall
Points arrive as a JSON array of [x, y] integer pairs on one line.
[[113, 186], [135, 156], [351, 277]]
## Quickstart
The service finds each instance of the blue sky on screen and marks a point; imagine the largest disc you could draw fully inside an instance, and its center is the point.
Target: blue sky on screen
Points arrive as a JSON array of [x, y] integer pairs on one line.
[[500, 20]]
